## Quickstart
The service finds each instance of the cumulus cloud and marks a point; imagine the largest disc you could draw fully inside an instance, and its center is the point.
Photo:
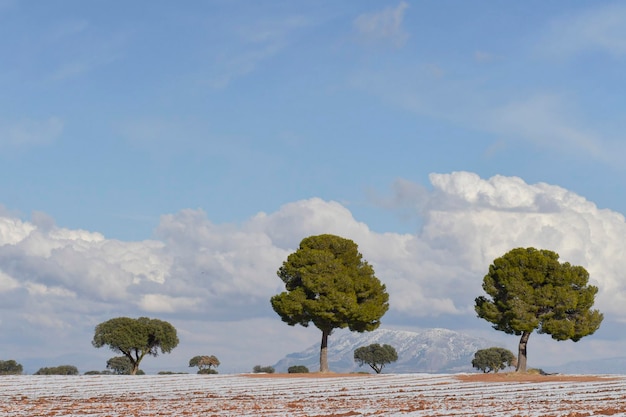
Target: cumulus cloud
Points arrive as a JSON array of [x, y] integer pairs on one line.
[[198, 266], [51, 262], [197, 270], [383, 26]]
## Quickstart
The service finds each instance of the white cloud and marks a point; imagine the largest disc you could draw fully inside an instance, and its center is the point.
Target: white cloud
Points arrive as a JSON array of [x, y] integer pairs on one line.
[[302, 218], [598, 29], [45, 320], [80, 261], [13, 230], [29, 132], [42, 290], [161, 303], [385, 25], [7, 283]]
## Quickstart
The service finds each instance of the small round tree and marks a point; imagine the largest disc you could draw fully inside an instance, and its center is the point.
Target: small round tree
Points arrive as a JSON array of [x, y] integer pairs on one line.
[[376, 356], [205, 364], [120, 365], [10, 367], [136, 338], [493, 359]]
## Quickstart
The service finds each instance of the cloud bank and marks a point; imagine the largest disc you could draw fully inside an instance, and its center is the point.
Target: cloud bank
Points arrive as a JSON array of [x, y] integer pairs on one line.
[[59, 280]]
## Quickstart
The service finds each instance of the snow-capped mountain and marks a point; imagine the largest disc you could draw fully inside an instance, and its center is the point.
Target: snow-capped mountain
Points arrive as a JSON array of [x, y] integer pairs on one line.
[[432, 351]]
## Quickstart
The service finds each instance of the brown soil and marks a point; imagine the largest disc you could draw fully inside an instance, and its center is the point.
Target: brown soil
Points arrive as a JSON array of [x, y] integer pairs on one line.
[[528, 377], [308, 375], [478, 377]]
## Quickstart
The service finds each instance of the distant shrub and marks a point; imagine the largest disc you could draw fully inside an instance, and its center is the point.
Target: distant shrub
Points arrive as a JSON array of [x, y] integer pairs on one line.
[[170, 373], [58, 370], [537, 371], [258, 369], [98, 373], [298, 369], [493, 359], [207, 371], [10, 367]]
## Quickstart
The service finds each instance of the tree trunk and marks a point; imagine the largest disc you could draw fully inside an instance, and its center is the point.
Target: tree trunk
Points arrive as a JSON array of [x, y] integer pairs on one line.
[[521, 357], [134, 361], [324, 352]]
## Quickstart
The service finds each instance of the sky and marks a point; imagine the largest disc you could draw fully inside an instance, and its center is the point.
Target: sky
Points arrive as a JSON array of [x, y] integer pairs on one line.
[[161, 159]]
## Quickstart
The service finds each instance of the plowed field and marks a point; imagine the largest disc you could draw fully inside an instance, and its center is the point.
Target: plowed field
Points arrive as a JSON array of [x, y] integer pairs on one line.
[[331, 395]]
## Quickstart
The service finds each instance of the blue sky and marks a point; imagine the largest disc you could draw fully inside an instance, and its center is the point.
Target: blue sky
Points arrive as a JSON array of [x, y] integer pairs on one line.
[[132, 134]]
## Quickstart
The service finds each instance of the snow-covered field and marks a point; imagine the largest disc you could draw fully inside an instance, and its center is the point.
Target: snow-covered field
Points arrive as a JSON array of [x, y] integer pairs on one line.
[[244, 395]]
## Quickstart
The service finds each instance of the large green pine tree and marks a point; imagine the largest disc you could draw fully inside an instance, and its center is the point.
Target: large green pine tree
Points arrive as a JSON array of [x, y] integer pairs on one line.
[[328, 283], [529, 289]]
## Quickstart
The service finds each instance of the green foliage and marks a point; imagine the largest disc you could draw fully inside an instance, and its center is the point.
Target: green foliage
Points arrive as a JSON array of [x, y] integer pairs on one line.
[[329, 284], [298, 369], [170, 373], [530, 289], [136, 338], [207, 371], [98, 373], [10, 367], [120, 365], [376, 356], [493, 359], [258, 369], [58, 370], [205, 364]]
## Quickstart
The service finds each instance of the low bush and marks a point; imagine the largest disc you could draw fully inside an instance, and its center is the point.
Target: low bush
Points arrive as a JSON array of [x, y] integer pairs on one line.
[[10, 367], [298, 369], [258, 369], [58, 370]]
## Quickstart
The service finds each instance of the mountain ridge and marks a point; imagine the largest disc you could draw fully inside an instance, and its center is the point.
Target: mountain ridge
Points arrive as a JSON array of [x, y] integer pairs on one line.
[[434, 350]]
